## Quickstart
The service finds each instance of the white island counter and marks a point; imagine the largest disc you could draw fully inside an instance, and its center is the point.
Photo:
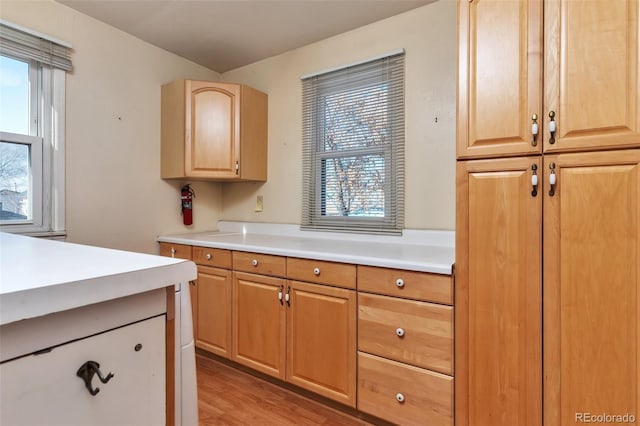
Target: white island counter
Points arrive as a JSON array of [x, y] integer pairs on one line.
[[72, 314]]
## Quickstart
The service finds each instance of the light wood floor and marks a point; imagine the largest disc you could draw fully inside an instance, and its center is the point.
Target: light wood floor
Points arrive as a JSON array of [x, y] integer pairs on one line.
[[227, 396]]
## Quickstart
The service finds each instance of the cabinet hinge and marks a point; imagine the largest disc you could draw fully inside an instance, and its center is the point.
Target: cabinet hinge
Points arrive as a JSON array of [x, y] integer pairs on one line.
[[237, 167]]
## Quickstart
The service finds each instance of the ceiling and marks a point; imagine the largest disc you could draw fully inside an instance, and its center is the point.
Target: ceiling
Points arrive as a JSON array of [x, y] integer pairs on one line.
[[226, 34]]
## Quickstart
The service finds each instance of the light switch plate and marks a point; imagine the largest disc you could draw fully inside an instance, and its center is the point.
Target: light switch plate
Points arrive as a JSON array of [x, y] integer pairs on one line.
[[259, 203]]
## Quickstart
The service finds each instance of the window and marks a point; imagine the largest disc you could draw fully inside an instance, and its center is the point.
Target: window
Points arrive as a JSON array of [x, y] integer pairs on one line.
[[353, 147], [32, 87]]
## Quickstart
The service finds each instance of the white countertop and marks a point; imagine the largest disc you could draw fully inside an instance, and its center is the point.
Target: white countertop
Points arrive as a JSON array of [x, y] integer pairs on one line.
[[39, 276], [426, 251]]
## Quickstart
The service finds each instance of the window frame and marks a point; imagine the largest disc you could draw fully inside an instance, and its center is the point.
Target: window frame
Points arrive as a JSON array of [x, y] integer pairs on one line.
[[47, 151], [314, 198]]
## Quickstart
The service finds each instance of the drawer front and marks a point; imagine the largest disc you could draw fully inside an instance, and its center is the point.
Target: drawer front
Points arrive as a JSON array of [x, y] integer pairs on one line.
[[212, 257], [179, 251], [49, 381], [323, 272], [410, 284], [418, 333], [404, 394], [256, 263]]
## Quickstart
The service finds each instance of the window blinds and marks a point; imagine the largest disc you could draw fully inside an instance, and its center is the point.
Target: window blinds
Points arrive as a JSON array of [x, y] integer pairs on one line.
[[25, 45], [353, 147]]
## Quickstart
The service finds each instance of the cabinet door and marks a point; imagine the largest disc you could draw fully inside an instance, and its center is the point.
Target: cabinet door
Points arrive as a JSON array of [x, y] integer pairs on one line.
[[499, 77], [321, 340], [259, 323], [498, 312], [592, 286], [212, 129], [591, 74], [44, 389], [214, 311]]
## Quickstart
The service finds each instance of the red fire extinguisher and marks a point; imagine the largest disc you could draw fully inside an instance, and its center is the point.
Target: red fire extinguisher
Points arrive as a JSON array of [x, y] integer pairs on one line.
[[187, 204]]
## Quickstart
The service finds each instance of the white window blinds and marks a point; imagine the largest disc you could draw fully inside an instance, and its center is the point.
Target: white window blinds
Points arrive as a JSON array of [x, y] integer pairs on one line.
[[353, 147], [25, 45]]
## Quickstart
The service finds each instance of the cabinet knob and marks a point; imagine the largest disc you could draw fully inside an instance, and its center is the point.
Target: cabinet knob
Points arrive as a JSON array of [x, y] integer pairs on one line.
[[400, 398], [173, 252], [399, 332], [208, 256], [400, 282], [316, 271], [254, 262]]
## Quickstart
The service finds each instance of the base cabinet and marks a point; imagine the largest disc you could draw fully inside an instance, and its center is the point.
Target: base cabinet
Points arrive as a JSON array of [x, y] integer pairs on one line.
[[321, 340], [214, 311], [298, 332], [44, 388], [259, 323], [404, 394]]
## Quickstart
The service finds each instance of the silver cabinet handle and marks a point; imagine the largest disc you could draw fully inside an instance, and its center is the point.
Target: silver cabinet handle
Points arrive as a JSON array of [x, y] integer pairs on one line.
[[399, 332], [400, 398], [316, 271], [208, 256], [400, 282], [254, 262], [173, 252]]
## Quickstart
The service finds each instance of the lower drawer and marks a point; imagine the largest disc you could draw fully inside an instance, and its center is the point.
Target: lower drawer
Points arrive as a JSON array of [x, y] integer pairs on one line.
[[404, 394]]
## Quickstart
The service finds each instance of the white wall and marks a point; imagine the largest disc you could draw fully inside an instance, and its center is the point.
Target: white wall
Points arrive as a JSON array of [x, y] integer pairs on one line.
[[428, 35], [115, 197], [114, 194]]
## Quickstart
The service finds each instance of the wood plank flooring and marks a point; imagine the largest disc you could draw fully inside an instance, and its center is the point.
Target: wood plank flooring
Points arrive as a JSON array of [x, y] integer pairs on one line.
[[227, 396]]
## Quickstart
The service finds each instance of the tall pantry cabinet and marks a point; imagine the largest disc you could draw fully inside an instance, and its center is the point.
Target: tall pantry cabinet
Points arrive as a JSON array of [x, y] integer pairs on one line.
[[548, 211]]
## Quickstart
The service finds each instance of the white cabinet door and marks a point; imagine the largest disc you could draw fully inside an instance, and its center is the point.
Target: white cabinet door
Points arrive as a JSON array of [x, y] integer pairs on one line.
[[44, 388]]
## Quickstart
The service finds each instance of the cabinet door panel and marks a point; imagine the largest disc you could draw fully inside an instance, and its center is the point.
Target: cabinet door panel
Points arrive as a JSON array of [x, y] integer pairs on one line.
[[259, 323], [321, 340], [213, 127], [592, 286], [500, 76], [43, 389], [498, 294], [591, 74], [214, 311]]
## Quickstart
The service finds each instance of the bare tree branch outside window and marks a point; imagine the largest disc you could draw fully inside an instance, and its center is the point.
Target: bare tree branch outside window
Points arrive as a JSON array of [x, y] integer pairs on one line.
[[355, 122]]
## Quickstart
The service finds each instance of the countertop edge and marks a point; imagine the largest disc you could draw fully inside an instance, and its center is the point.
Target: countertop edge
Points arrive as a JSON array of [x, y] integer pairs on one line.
[[420, 266], [35, 302]]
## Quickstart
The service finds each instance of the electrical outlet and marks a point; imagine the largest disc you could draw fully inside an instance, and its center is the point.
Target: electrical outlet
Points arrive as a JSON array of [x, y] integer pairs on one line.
[[259, 203]]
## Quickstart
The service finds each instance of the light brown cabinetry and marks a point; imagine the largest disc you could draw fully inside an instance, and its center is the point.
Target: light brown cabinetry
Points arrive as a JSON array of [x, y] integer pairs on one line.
[[210, 295], [214, 310], [213, 131], [404, 346], [259, 338], [586, 208], [590, 81], [498, 293], [299, 332], [182, 251], [257, 263], [591, 286], [425, 397], [321, 340]]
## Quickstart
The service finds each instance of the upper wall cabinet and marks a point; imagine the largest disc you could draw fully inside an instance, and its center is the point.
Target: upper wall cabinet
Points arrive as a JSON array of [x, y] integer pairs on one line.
[[213, 131], [585, 97]]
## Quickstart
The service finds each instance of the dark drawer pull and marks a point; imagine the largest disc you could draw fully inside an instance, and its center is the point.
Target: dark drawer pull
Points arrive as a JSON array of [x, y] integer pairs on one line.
[[86, 372]]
